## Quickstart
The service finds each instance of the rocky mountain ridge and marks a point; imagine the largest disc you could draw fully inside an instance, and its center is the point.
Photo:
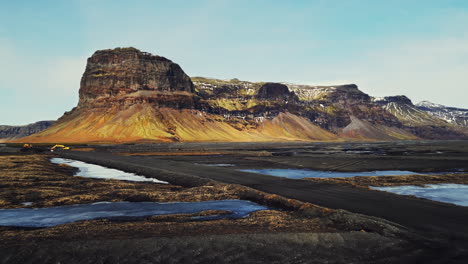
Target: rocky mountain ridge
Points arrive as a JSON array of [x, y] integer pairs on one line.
[[406, 112], [453, 115], [417, 121], [129, 95], [331, 107], [15, 132]]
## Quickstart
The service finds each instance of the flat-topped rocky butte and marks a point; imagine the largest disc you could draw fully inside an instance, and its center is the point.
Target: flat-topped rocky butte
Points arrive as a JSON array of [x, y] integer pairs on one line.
[[129, 95], [127, 73]]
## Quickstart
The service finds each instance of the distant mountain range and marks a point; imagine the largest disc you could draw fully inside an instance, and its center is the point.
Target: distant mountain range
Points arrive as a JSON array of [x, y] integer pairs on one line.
[[420, 120], [128, 95], [453, 115], [15, 132]]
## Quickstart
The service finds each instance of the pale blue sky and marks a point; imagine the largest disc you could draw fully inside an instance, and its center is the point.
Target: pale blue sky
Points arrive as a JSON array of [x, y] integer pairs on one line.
[[417, 48]]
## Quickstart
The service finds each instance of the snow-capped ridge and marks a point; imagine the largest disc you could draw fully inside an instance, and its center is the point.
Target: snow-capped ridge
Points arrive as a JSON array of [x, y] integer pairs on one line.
[[453, 115]]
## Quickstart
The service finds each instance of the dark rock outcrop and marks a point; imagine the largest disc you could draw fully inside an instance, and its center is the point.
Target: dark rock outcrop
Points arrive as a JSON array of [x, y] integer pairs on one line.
[[129, 73], [275, 91], [400, 99], [347, 94]]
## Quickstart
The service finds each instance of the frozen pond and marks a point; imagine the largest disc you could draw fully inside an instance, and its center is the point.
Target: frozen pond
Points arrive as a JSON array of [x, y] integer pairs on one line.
[[99, 172], [447, 193], [52, 216], [300, 174]]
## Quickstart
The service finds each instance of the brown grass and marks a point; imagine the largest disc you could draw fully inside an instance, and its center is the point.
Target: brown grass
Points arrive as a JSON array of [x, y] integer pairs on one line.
[[169, 153], [380, 181], [33, 178]]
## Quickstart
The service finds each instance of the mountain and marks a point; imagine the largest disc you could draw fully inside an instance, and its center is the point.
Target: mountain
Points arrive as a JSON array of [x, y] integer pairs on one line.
[[419, 122], [129, 95], [15, 132], [331, 107], [453, 115], [349, 112], [407, 113]]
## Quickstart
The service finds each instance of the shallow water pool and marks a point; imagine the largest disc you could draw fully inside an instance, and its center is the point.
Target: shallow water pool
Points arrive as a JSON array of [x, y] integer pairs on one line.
[[300, 174], [99, 172], [52, 216], [216, 165], [447, 193]]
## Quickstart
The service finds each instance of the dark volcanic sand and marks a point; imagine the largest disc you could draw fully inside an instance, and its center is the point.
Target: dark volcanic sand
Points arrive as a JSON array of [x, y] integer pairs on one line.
[[422, 215], [273, 235], [442, 227], [351, 247]]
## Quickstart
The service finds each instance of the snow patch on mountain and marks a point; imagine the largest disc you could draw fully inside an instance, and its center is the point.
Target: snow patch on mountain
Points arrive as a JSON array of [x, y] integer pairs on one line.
[[453, 115]]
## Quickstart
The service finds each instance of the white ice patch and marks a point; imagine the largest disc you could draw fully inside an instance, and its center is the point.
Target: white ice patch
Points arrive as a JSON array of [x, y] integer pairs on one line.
[[300, 174], [99, 172], [447, 193]]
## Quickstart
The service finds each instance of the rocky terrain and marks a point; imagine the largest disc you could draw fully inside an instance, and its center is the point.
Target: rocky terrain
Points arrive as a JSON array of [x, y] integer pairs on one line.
[[400, 180], [456, 116], [14, 132], [420, 122], [288, 231], [407, 113], [129, 95], [305, 221]]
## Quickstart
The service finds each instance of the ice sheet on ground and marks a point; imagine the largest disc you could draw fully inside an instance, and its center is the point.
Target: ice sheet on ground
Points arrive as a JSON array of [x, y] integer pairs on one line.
[[99, 172], [52, 216], [447, 193], [300, 174]]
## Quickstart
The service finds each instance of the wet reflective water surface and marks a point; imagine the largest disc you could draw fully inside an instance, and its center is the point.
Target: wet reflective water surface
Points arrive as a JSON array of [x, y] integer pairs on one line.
[[52, 216], [447, 193], [99, 172], [300, 174]]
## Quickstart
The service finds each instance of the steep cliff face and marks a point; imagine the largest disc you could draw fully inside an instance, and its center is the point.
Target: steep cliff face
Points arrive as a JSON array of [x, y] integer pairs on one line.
[[275, 92], [15, 132], [124, 75]]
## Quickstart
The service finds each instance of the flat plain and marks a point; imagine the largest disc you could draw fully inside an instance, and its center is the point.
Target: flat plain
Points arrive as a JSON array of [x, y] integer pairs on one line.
[[310, 220]]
